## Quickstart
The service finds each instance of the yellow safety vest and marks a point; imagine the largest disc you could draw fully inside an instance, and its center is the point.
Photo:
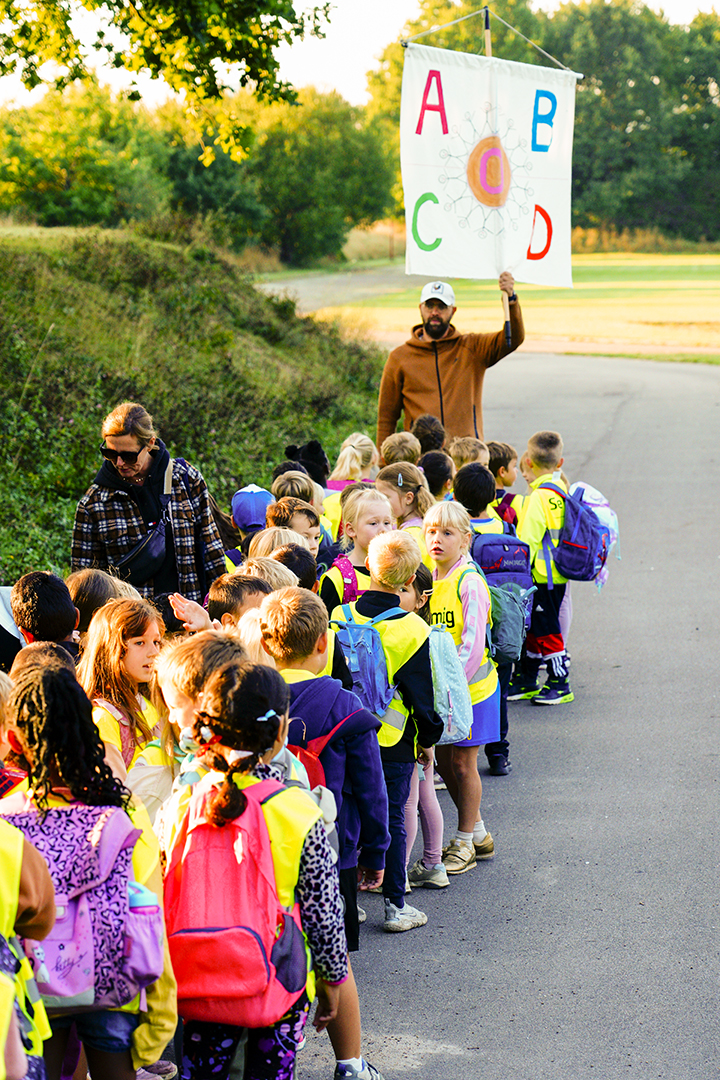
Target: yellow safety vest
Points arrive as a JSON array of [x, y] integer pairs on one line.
[[289, 815], [419, 536], [446, 608], [544, 513], [401, 638], [327, 670], [35, 1022]]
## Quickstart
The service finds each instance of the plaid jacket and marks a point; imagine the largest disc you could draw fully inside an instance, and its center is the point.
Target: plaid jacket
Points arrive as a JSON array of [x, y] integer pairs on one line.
[[108, 524]]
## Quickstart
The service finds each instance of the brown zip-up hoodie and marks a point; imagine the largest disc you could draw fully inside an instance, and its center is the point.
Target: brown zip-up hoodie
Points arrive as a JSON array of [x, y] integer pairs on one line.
[[443, 378]]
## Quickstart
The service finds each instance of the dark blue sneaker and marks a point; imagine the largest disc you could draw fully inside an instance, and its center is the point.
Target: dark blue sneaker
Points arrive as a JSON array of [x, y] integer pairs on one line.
[[554, 693]]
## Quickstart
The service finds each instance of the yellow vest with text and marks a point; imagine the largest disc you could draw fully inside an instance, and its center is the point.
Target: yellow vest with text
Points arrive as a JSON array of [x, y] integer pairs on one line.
[[446, 608], [544, 513], [35, 1025], [401, 638]]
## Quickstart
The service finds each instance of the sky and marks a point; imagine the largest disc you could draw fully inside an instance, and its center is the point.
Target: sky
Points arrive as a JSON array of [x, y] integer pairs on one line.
[[357, 33]]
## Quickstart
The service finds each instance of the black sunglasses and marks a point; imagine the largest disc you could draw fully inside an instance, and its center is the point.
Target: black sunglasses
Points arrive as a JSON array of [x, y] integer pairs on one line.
[[129, 456]]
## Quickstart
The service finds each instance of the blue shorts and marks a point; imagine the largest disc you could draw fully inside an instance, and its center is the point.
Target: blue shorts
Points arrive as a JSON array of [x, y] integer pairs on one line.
[[105, 1030], [486, 721]]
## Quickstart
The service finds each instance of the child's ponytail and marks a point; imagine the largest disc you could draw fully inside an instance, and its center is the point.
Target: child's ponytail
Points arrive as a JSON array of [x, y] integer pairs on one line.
[[355, 458], [242, 708], [405, 477]]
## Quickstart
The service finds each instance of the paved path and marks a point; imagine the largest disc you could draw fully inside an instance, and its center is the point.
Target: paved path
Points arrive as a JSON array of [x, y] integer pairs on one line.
[[589, 947], [318, 290]]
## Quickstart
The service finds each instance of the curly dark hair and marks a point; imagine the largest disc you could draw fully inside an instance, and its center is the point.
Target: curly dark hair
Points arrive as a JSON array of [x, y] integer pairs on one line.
[[243, 705], [53, 717]]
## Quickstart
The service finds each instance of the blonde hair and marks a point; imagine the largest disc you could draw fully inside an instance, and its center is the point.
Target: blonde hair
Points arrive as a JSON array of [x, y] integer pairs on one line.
[[266, 541], [130, 419], [187, 663], [5, 690], [465, 449], [276, 575], [405, 477], [353, 507], [402, 446], [291, 621], [393, 558], [448, 515], [545, 448], [355, 458], [298, 485], [249, 633]]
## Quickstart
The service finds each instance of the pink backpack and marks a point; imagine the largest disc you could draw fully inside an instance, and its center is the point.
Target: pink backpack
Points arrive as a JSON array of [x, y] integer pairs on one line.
[[350, 579], [238, 955], [107, 942]]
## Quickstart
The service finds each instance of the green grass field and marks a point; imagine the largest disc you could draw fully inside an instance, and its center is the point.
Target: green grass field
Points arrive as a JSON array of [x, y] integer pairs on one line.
[[662, 305]]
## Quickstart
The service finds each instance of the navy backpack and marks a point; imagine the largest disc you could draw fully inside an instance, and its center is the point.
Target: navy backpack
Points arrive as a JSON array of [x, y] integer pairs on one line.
[[584, 542]]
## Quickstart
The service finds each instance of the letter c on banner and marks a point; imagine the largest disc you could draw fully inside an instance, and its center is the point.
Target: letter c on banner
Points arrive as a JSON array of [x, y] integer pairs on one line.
[[427, 197], [548, 224]]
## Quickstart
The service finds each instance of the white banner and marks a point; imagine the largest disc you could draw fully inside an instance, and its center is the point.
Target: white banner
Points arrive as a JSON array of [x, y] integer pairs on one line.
[[486, 153]]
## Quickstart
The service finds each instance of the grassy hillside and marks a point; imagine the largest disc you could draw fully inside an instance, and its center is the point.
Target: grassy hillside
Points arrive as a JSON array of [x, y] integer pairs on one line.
[[231, 376]]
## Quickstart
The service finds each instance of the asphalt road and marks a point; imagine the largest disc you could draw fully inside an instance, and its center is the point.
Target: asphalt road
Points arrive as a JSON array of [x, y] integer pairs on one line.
[[588, 947]]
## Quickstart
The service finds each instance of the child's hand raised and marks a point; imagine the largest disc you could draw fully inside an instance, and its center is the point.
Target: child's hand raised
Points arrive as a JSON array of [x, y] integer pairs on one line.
[[192, 615], [328, 999]]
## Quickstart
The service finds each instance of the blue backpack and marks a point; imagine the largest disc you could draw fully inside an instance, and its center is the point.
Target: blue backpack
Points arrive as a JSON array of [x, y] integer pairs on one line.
[[584, 542], [502, 557], [450, 689], [362, 646]]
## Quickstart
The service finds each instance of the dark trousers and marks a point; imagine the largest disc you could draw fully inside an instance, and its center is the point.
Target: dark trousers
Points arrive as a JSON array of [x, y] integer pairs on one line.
[[502, 746], [545, 636], [398, 775]]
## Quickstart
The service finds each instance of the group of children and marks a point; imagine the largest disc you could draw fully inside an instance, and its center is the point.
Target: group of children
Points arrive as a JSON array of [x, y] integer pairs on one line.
[[291, 727]]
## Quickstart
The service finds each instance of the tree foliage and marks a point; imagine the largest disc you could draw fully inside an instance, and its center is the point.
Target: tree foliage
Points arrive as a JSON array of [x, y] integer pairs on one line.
[[321, 169], [647, 128], [201, 48]]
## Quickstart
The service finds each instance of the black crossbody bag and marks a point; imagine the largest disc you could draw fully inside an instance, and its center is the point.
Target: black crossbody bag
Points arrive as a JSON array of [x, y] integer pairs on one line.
[[144, 560]]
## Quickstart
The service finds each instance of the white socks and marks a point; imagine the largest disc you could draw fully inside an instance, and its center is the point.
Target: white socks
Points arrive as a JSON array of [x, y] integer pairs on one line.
[[479, 832]]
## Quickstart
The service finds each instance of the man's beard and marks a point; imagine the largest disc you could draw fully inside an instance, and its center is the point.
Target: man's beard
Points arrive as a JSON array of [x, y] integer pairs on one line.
[[435, 330]]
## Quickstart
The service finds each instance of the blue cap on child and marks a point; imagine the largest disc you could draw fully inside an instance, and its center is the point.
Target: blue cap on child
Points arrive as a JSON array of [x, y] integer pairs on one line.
[[248, 507]]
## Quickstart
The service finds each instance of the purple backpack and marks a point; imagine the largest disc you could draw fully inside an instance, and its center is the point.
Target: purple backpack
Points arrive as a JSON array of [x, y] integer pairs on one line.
[[107, 942], [584, 542]]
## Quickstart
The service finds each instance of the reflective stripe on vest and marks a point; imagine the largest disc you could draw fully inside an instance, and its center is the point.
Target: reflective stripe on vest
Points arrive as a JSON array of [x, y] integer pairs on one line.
[[401, 638]]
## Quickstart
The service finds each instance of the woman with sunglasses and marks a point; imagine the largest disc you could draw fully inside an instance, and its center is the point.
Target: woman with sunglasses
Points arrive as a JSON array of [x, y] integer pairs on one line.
[[145, 517]]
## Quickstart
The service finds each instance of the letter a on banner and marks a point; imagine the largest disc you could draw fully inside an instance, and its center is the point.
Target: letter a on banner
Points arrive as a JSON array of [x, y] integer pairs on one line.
[[486, 154]]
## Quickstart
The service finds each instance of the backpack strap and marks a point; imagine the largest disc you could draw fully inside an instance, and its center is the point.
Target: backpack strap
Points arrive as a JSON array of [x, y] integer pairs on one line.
[[387, 615], [117, 714], [318, 744], [546, 545], [505, 506]]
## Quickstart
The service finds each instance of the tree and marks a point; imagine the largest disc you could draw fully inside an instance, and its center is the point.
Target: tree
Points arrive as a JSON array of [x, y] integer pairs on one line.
[[82, 158], [198, 46], [321, 169], [648, 113]]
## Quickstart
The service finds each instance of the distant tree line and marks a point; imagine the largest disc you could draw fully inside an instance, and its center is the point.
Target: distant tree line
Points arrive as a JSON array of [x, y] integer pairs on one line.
[[83, 156], [646, 152]]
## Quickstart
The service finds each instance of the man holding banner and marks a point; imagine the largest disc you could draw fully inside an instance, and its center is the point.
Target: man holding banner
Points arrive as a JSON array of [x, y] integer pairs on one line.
[[441, 371]]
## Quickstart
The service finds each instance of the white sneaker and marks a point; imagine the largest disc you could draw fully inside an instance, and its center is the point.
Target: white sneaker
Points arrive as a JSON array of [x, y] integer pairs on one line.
[[434, 878], [404, 918]]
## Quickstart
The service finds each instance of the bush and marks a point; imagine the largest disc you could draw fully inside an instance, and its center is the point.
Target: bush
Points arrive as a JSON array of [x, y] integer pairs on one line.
[[230, 375]]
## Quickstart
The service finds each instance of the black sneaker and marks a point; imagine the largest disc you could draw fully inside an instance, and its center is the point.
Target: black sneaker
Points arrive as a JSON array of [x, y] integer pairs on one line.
[[520, 689], [499, 765]]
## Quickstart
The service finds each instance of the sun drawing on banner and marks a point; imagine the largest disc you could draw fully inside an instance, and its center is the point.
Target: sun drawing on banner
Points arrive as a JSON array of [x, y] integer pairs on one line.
[[485, 178]]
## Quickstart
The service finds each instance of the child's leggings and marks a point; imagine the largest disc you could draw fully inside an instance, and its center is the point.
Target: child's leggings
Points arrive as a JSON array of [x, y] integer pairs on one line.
[[431, 819], [208, 1048]]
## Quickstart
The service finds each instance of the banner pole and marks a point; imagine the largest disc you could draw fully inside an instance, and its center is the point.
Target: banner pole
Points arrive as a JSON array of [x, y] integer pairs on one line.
[[504, 295]]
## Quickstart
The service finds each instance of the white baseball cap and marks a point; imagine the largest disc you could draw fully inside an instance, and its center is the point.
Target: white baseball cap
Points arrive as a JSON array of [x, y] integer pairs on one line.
[[438, 290]]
